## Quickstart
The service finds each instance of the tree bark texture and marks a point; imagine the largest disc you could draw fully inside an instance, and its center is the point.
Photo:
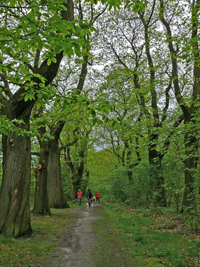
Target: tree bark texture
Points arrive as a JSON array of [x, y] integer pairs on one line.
[[189, 196], [41, 204], [72, 172], [57, 198], [82, 162], [15, 188], [85, 181], [73, 185]]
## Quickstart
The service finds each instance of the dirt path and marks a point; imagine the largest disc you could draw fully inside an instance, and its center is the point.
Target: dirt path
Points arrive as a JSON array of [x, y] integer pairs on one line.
[[75, 244]]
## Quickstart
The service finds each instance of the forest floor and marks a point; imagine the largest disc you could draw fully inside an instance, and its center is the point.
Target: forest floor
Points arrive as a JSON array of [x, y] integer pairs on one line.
[[105, 235]]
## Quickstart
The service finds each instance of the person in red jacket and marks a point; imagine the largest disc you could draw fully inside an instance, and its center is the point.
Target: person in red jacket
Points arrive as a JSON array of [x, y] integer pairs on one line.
[[97, 195], [79, 194]]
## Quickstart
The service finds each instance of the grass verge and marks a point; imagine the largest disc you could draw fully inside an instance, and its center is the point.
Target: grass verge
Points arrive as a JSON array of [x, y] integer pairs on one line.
[[27, 252], [131, 238]]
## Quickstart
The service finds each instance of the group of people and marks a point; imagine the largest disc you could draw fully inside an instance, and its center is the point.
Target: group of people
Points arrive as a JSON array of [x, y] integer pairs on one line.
[[89, 196]]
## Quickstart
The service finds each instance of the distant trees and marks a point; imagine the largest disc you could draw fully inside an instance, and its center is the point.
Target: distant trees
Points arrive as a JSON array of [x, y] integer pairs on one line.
[[162, 80]]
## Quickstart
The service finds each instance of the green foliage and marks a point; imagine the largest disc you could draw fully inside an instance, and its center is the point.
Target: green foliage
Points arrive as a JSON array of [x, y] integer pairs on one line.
[[113, 181], [40, 26], [100, 165], [173, 170], [136, 5], [119, 185]]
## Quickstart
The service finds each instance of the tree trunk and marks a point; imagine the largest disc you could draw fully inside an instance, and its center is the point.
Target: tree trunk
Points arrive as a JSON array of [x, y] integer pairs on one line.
[[189, 196], [80, 170], [73, 186], [41, 204], [155, 161], [15, 188], [56, 194], [85, 181], [72, 172]]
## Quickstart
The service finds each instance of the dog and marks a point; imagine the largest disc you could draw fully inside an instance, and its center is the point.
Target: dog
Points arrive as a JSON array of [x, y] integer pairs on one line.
[[87, 205], [93, 199]]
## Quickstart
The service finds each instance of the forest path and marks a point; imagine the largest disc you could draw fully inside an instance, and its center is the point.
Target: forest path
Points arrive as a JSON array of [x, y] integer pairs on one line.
[[76, 242]]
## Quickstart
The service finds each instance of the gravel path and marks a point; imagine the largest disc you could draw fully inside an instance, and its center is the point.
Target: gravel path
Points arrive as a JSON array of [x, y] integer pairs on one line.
[[74, 247]]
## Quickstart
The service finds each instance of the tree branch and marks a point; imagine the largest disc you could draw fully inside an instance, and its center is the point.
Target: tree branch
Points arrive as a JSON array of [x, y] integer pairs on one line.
[[175, 77]]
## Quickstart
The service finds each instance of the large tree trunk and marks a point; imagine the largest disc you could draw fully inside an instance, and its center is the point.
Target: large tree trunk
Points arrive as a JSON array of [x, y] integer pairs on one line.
[[82, 163], [72, 172], [80, 170], [41, 204], [15, 188], [73, 185], [56, 194]]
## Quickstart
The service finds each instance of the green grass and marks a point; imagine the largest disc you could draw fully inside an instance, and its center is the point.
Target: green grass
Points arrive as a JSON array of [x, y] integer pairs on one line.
[[136, 242], [28, 251]]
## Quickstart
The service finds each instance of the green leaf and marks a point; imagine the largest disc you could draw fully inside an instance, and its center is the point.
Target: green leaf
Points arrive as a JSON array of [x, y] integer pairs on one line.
[[83, 32], [39, 95], [54, 60], [78, 52], [62, 7], [67, 47], [33, 27], [64, 26], [49, 62]]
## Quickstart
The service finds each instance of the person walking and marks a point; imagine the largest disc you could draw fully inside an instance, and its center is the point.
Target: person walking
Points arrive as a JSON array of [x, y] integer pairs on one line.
[[97, 197], [79, 194], [89, 197]]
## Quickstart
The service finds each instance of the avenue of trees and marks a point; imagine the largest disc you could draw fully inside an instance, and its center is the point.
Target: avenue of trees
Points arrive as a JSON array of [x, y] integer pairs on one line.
[[102, 94]]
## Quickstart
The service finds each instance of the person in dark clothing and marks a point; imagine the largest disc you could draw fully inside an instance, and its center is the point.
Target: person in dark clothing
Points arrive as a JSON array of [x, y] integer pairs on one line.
[[89, 197]]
